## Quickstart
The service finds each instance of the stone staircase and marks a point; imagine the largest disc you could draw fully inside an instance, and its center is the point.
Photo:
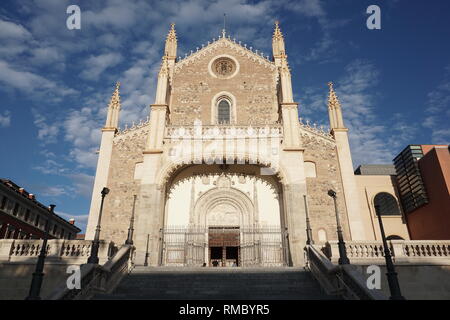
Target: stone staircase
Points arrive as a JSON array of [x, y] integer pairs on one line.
[[168, 283]]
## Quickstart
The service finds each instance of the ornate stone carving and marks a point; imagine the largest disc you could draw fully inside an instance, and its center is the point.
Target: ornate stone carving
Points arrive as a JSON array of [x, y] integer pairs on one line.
[[223, 67]]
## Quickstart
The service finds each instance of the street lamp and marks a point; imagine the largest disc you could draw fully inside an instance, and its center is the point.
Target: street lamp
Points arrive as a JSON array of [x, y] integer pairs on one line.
[[38, 274], [309, 239], [130, 229], [343, 259], [394, 286], [146, 252], [93, 258]]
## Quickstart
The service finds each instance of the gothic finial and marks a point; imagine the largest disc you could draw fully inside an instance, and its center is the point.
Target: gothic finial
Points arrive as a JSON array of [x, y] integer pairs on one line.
[[277, 32], [224, 25], [115, 98], [333, 101], [171, 42], [278, 49], [172, 33], [334, 109]]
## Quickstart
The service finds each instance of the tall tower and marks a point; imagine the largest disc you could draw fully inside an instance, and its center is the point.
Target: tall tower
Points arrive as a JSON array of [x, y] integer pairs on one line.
[[351, 195], [150, 222], [104, 160], [159, 109], [292, 155]]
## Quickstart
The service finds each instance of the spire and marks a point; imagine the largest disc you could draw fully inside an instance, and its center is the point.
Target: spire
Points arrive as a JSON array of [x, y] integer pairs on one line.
[[112, 119], [334, 109], [333, 101], [278, 42], [171, 43], [277, 32], [224, 29]]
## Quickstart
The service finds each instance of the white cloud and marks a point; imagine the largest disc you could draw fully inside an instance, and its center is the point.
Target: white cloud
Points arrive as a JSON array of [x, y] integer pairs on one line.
[[53, 191], [82, 183], [372, 139], [50, 166], [310, 8], [47, 130], [31, 83], [96, 65], [437, 111], [80, 219], [10, 30], [5, 119]]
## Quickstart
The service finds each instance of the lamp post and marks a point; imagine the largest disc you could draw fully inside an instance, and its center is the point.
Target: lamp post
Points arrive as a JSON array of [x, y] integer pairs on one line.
[[394, 286], [38, 274], [343, 259], [146, 252], [130, 229], [309, 239], [93, 258]]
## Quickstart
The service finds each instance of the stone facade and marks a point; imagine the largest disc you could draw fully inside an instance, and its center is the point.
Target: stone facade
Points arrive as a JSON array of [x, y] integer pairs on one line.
[[126, 154], [322, 152], [225, 103], [253, 88]]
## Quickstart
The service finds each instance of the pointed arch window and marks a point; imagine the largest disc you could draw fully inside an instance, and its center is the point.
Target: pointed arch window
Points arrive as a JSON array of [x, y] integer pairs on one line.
[[223, 112]]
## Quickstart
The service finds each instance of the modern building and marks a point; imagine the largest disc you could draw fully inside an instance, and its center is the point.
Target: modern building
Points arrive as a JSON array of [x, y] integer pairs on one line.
[[423, 174], [23, 217]]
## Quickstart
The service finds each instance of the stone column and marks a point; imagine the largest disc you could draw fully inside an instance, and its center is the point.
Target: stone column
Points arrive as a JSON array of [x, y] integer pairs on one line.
[[101, 179], [293, 190], [150, 211], [351, 194]]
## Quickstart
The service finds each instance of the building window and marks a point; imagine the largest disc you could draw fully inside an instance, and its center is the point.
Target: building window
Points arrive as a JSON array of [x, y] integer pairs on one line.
[[62, 233], [55, 229], [4, 201], [27, 215], [310, 169], [387, 204], [394, 237], [16, 209], [223, 112], [36, 222]]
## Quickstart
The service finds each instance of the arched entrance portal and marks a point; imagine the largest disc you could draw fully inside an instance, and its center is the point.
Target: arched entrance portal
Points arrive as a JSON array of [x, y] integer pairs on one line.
[[223, 216]]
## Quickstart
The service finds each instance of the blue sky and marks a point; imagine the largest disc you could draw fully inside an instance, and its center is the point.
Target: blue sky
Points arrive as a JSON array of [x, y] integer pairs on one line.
[[55, 83]]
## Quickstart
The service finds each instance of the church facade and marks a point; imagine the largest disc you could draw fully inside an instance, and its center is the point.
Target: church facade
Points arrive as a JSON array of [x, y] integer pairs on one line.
[[223, 173]]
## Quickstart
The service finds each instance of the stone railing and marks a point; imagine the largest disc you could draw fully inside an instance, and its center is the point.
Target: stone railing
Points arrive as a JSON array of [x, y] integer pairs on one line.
[[133, 126], [422, 252], [318, 130], [58, 251], [223, 131], [344, 281], [98, 278]]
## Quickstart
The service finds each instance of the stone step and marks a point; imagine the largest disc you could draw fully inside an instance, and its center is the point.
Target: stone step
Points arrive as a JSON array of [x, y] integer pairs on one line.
[[165, 283]]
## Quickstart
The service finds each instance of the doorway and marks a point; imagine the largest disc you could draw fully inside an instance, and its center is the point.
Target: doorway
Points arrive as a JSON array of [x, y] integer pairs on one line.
[[224, 246]]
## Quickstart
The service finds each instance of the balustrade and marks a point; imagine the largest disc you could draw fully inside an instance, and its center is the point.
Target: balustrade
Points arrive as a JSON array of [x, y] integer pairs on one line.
[[75, 251], [433, 251]]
